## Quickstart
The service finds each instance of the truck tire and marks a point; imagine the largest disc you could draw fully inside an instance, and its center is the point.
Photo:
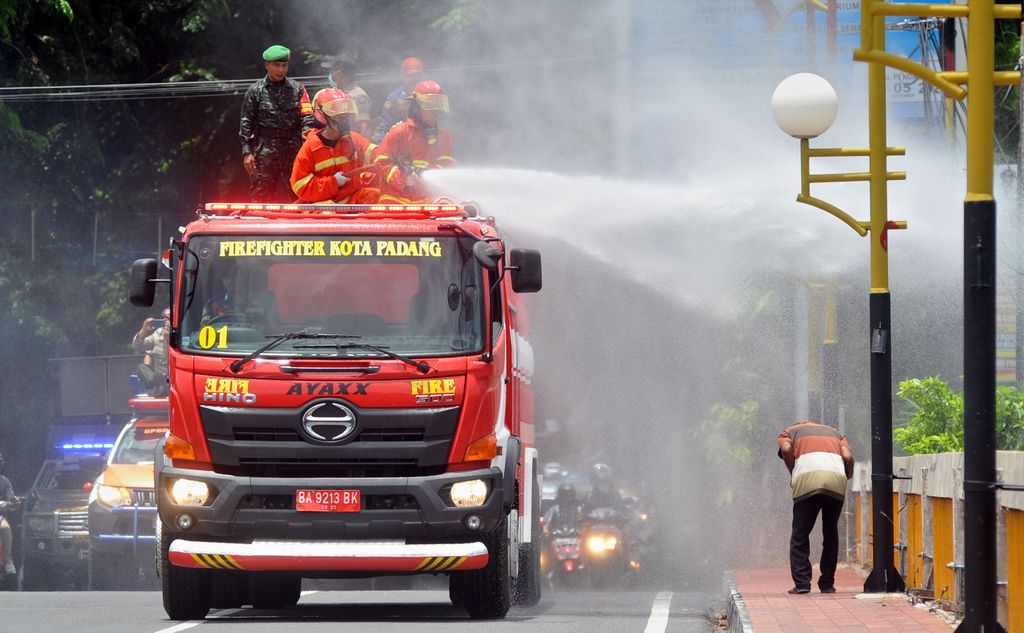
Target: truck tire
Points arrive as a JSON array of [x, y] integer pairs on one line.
[[527, 585], [486, 593], [186, 591], [274, 592]]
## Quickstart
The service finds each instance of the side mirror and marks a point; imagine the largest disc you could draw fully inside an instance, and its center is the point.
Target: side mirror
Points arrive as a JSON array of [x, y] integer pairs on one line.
[[141, 288], [525, 266], [487, 255]]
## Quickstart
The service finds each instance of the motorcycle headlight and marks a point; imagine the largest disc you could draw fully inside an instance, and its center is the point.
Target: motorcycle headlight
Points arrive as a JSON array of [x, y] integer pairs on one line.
[[467, 494], [39, 524], [596, 544], [112, 495]]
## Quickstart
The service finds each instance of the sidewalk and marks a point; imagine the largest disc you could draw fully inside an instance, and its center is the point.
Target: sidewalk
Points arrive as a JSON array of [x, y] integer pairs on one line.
[[763, 606]]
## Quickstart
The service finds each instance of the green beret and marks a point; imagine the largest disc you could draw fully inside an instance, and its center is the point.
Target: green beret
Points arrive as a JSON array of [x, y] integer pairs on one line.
[[276, 53]]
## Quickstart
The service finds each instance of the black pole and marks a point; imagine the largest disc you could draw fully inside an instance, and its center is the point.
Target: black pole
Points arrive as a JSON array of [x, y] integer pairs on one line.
[[883, 578], [979, 417]]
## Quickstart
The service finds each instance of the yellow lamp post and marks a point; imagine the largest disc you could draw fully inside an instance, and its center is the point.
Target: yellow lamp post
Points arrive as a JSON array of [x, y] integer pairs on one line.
[[979, 251], [804, 106]]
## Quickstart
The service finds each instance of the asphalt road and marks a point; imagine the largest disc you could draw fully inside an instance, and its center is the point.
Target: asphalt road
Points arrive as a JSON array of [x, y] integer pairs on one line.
[[616, 611]]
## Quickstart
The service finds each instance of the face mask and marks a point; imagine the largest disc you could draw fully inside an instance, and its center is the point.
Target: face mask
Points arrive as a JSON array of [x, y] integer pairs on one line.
[[340, 125], [330, 80]]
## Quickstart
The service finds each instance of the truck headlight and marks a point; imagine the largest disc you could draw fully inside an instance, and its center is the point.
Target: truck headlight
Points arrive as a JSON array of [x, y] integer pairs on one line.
[[467, 494], [39, 524], [188, 492], [112, 495]]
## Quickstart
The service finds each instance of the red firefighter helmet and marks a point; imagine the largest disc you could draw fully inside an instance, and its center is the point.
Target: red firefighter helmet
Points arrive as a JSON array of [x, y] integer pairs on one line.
[[332, 102], [429, 95]]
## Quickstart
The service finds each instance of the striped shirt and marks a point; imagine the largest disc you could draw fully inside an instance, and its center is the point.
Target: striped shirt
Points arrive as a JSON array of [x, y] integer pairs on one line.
[[818, 467]]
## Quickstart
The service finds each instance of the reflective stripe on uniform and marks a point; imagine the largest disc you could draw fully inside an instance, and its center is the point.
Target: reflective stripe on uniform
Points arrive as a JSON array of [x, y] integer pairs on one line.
[[368, 154], [447, 158], [302, 182], [382, 158], [330, 162], [391, 173]]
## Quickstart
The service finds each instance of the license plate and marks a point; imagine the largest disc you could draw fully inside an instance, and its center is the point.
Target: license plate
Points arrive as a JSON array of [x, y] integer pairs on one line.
[[327, 500]]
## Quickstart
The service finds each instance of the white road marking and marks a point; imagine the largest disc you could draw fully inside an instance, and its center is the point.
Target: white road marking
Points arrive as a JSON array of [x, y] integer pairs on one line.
[[658, 621], [309, 592]]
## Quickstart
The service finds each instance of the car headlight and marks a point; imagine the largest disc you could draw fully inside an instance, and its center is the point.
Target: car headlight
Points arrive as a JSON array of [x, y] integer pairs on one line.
[[39, 524], [188, 492], [111, 495], [467, 494]]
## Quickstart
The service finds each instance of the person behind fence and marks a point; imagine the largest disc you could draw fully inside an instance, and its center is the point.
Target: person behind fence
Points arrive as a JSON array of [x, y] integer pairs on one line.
[[7, 500], [820, 463], [151, 340]]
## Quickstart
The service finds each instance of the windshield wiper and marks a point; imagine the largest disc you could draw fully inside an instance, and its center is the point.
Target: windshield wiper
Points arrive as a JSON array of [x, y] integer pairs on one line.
[[281, 338], [421, 366]]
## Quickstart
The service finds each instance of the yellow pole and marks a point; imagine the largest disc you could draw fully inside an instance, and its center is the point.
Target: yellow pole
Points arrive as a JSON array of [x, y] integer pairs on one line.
[[884, 578], [877, 145], [979, 250], [980, 101]]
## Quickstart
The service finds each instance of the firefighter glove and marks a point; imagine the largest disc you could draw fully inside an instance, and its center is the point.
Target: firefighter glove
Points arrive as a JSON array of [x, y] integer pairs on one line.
[[341, 178]]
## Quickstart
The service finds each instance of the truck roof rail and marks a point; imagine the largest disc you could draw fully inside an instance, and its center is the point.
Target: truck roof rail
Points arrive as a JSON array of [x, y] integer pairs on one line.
[[322, 212]]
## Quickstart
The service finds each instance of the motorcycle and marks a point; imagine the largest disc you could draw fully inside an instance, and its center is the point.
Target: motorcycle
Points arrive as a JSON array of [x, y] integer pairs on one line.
[[564, 548], [11, 510], [605, 550]]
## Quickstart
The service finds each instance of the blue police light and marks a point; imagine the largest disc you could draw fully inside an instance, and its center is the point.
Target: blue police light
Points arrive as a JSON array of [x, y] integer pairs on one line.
[[93, 446]]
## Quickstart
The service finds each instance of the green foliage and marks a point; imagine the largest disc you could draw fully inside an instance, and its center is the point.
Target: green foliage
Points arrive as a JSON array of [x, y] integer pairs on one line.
[[937, 425], [728, 436]]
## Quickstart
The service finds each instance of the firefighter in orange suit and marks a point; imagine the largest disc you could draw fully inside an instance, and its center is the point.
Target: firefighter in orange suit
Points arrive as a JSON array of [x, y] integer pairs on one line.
[[414, 145], [335, 164]]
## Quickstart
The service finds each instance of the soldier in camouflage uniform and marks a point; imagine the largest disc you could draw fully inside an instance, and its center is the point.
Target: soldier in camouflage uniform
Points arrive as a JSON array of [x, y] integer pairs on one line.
[[276, 115]]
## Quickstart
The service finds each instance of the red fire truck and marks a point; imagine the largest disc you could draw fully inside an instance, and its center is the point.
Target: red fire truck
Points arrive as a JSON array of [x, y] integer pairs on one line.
[[349, 397]]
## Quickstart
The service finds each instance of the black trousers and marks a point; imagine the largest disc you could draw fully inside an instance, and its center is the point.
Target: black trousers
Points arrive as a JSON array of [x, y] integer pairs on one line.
[[805, 513]]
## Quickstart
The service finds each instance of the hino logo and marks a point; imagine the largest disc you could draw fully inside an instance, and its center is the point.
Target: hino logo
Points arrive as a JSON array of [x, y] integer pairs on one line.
[[329, 422]]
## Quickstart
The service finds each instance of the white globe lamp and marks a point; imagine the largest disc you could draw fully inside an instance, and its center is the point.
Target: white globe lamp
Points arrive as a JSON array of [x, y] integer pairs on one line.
[[804, 105]]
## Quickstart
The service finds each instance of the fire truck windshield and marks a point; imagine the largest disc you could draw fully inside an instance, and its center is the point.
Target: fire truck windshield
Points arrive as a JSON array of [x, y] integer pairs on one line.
[[412, 295]]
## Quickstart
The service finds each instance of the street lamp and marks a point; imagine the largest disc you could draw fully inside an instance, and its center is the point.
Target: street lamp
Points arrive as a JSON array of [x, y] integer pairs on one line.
[[804, 106]]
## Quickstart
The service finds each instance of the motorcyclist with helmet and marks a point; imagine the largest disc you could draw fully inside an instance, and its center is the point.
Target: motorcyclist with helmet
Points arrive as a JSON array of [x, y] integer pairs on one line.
[[335, 164], [603, 492], [8, 501], [565, 514], [415, 145]]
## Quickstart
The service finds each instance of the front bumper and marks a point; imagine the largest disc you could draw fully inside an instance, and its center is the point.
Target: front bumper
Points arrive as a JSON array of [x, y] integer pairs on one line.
[[122, 530], [380, 556], [407, 509], [64, 550]]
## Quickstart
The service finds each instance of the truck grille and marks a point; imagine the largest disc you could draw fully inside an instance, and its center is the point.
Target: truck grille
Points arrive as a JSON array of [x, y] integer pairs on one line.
[[143, 497], [327, 467], [280, 434], [259, 442], [77, 521]]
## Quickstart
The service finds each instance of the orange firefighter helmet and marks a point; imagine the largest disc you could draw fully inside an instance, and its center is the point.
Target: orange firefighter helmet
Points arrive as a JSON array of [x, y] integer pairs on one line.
[[332, 102], [430, 96]]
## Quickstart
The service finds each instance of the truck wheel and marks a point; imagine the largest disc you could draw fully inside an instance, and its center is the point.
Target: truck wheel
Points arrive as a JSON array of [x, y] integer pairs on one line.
[[487, 593], [527, 585], [186, 591], [274, 592]]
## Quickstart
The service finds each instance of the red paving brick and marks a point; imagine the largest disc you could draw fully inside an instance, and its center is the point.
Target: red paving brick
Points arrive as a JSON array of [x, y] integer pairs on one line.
[[772, 610]]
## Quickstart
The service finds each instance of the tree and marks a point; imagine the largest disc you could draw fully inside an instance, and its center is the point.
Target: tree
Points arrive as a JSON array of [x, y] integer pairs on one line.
[[937, 425]]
